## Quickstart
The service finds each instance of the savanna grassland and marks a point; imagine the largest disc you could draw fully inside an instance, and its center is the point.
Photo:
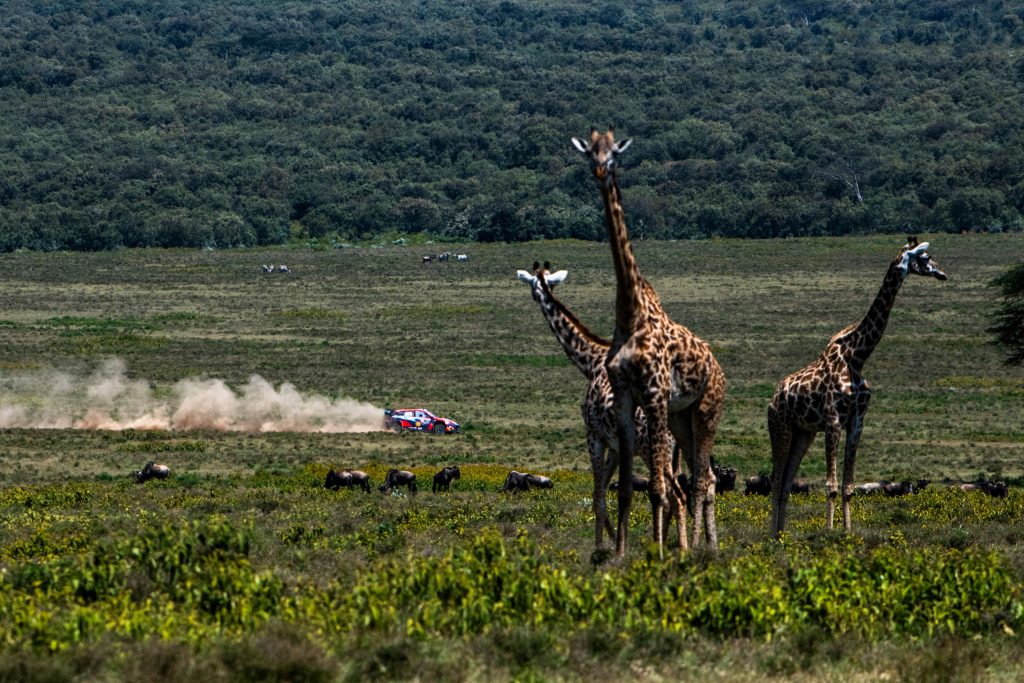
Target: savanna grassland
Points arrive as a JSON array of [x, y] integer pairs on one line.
[[242, 567]]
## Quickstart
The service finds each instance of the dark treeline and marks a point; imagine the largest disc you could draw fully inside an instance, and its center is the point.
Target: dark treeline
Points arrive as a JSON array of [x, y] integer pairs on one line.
[[222, 123]]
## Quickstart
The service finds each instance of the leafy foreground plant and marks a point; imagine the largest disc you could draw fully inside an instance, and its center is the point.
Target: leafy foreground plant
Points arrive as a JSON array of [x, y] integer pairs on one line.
[[194, 582]]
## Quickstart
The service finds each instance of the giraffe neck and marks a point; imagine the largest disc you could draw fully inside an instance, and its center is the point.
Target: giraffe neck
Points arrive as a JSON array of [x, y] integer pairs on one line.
[[868, 332], [627, 274], [586, 350]]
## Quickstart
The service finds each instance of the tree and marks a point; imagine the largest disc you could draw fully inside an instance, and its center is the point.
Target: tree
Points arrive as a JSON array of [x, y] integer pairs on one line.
[[1008, 324]]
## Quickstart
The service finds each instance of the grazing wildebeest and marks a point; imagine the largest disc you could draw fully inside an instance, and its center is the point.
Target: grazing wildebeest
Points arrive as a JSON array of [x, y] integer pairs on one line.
[[893, 489], [336, 480], [641, 484], [347, 479], [725, 477], [870, 487], [801, 486], [996, 489], [516, 481], [443, 479], [760, 485], [360, 479], [537, 481], [152, 471], [397, 478]]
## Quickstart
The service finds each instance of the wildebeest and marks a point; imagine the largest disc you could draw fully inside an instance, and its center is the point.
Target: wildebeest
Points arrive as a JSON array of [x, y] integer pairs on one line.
[[800, 486], [890, 488], [336, 480], [537, 481], [443, 479], [516, 481], [996, 489], [725, 477], [522, 481], [360, 479], [347, 479], [152, 471], [397, 478], [640, 484], [903, 488], [759, 485]]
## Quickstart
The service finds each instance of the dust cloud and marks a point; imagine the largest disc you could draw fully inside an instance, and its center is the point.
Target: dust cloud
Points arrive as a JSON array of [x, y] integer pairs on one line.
[[109, 399]]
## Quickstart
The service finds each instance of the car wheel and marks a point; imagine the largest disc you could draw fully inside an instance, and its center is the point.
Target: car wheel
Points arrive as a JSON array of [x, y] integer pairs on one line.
[[396, 425], [439, 428]]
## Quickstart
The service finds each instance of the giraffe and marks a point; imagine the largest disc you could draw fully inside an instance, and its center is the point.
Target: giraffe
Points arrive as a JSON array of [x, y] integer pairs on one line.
[[659, 366], [831, 395], [587, 351]]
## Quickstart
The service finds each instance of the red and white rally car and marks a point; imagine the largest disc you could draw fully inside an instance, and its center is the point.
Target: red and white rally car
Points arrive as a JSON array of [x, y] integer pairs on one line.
[[419, 420]]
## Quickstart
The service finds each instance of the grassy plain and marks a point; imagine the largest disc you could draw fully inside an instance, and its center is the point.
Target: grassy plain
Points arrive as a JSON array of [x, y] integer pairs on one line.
[[466, 340]]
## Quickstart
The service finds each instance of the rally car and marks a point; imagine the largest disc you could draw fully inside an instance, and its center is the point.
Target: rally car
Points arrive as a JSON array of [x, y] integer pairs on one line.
[[419, 420]]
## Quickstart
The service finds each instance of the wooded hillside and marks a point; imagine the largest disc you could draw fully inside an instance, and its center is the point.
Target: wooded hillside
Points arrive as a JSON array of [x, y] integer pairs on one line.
[[223, 122]]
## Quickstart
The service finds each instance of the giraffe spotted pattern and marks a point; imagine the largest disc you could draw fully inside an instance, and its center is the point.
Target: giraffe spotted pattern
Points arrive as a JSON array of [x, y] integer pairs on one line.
[[831, 395]]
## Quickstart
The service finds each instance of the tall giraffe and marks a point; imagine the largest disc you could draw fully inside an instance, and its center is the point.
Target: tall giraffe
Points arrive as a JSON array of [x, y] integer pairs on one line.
[[588, 351], [659, 366], [831, 395]]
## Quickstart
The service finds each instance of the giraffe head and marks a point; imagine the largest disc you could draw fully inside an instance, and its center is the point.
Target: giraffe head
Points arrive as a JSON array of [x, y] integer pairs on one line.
[[602, 150], [541, 278], [914, 258]]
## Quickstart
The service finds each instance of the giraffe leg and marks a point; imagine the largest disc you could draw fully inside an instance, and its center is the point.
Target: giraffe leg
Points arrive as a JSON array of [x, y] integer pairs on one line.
[[657, 491], [600, 471], [831, 478], [854, 426], [627, 447], [678, 504], [661, 466], [784, 470], [610, 463], [682, 453], [781, 437], [705, 438]]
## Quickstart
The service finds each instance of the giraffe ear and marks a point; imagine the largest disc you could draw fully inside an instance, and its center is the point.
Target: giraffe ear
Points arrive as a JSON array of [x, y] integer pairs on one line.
[[556, 277], [525, 277], [579, 145], [620, 147]]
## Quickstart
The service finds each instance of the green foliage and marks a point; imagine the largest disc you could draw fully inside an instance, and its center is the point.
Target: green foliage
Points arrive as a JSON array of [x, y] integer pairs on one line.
[[190, 580], [142, 124]]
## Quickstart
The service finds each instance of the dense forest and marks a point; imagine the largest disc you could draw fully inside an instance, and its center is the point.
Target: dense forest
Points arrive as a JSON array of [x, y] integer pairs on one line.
[[230, 122]]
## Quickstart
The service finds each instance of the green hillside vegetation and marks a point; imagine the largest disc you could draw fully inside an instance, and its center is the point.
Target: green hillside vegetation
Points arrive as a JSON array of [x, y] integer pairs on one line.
[[224, 123]]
